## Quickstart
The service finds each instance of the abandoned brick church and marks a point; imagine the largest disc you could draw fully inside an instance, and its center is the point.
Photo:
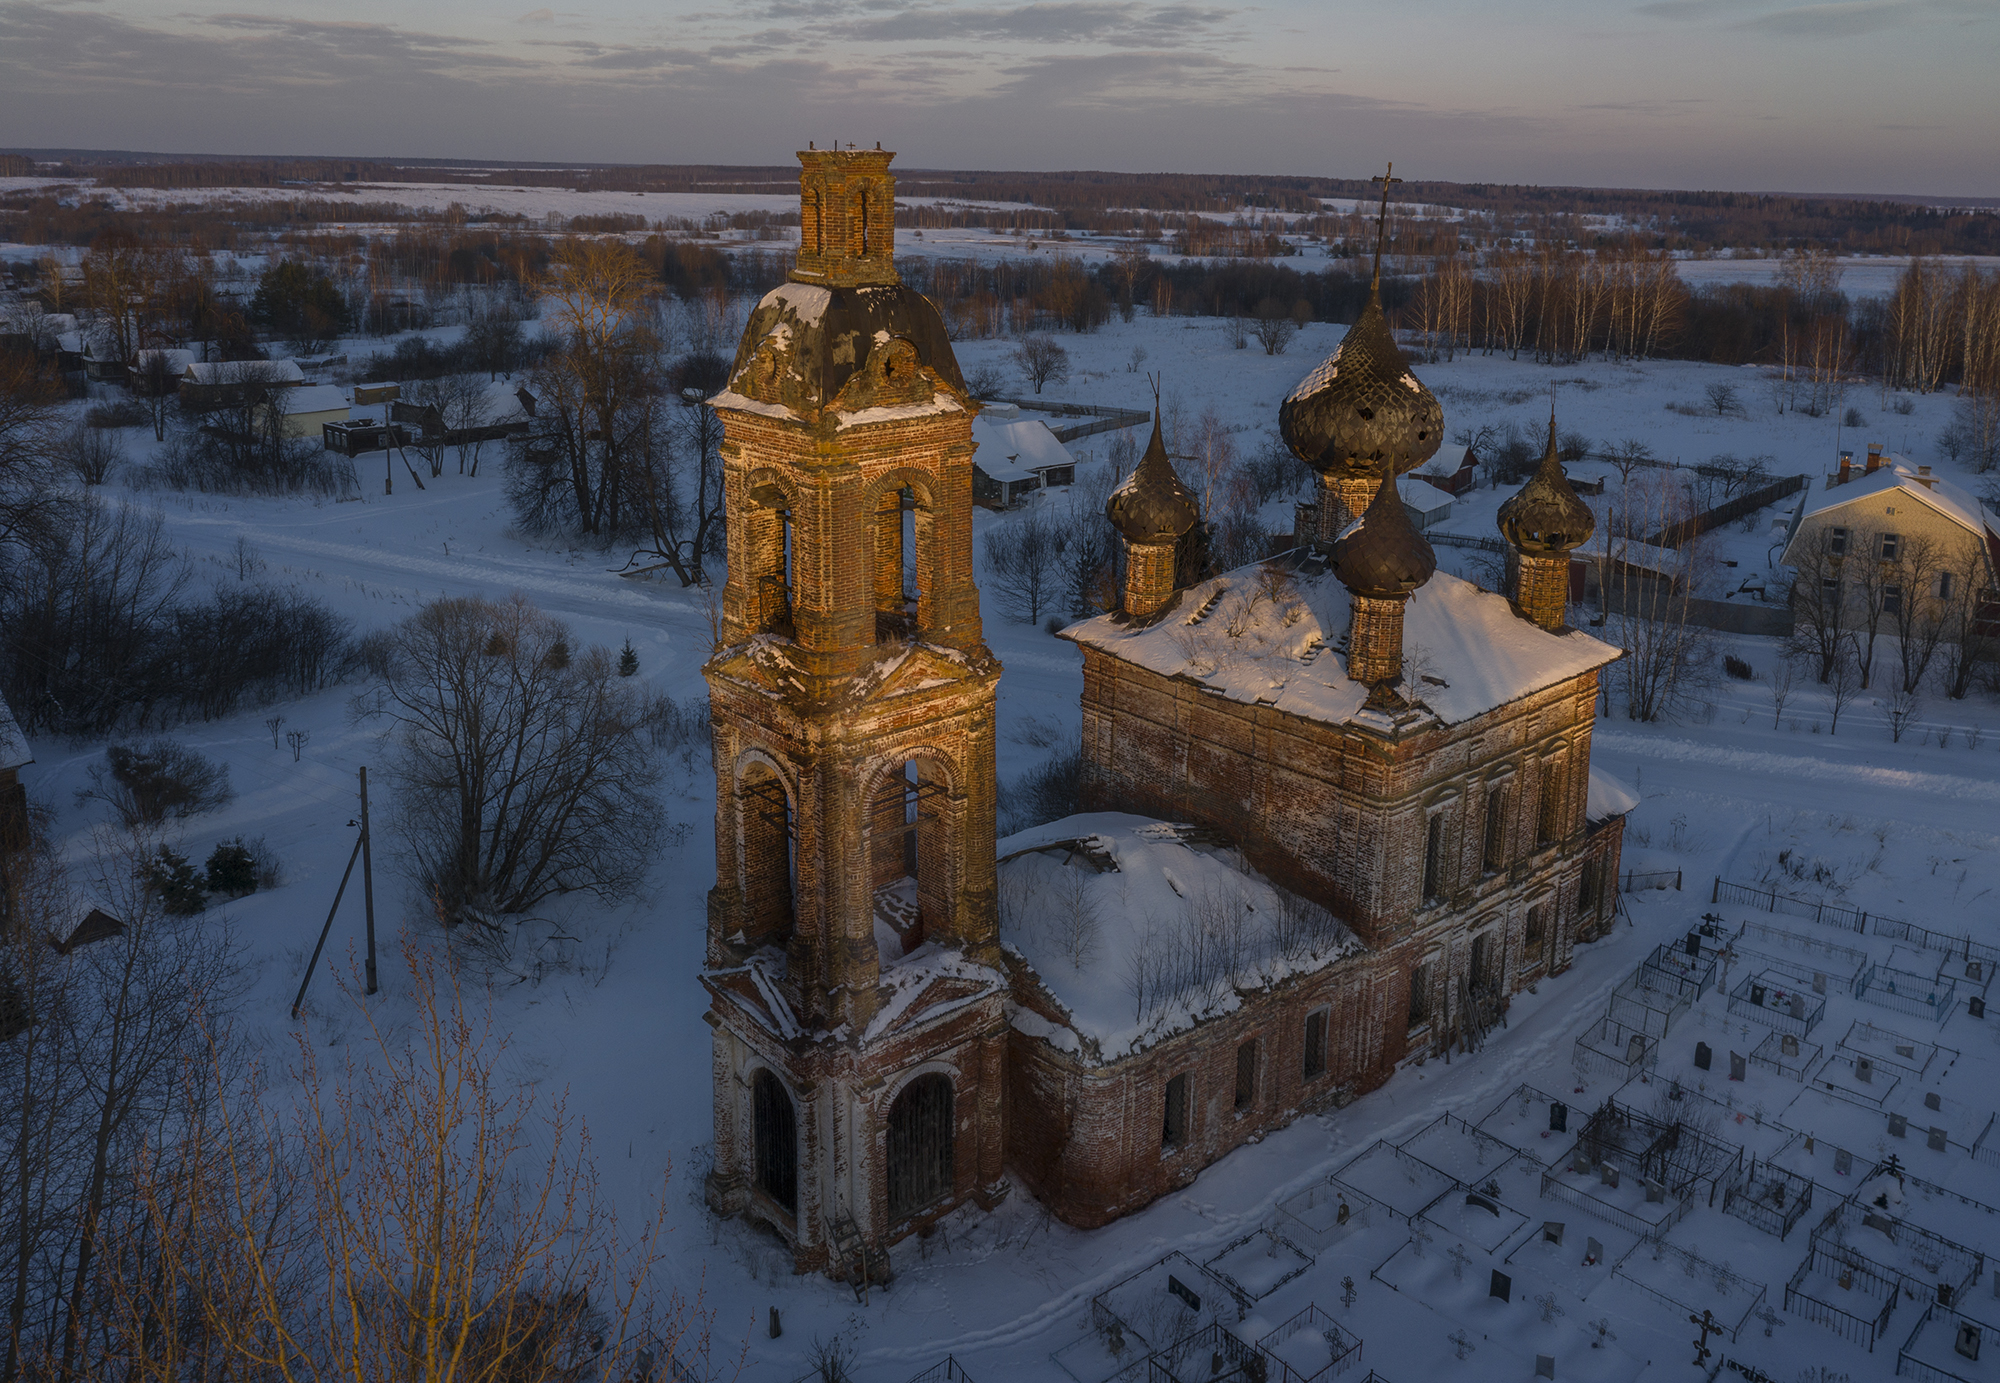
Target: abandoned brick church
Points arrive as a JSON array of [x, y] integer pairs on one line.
[[1338, 807]]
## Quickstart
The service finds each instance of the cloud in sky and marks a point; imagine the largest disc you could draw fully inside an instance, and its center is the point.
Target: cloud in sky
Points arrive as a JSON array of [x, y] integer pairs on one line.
[[1685, 93]]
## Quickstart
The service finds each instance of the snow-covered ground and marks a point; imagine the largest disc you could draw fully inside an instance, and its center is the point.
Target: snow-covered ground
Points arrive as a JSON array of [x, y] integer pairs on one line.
[[1906, 829]]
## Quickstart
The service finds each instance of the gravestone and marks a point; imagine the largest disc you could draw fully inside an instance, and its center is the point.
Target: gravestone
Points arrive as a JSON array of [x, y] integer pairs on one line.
[[1502, 1286], [1558, 1117], [1843, 1163], [1545, 1364], [1798, 1002], [1976, 1006], [1809, 1145], [1944, 1294], [1474, 1198], [1186, 1293], [1635, 1050], [1864, 1070], [1937, 1139], [1932, 1100], [1789, 1045], [1579, 1161], [1656, 1194], [1340, 1215], [1757, 995], [1738, 1067], [1819, 982], [1973, 970], [1693, 943], [1593, 1253], [1608, 1175], [1906, 1049], [1704, 1056], [1967, 1342], [1898, 1126], [1552, 1233]]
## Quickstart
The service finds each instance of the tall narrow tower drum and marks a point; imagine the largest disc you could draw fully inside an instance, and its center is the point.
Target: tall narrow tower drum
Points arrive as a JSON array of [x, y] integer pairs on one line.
[[852, 956]]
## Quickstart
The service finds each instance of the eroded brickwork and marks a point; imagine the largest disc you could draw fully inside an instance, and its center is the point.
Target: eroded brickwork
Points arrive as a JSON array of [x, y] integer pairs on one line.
[[1543, 589], [853, 738]]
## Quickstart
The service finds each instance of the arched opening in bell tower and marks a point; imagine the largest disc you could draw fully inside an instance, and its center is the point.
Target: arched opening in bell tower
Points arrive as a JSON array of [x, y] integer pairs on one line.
[[775, 1138], [919, 1162], [766, 821], [909, 856], [905, 559], [768, 524]]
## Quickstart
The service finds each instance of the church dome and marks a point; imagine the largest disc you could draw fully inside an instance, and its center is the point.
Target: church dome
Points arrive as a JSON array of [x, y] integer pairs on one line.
[[1152, 506], [804, 341], [1545, 516], [1363, 408], [1382, 554]]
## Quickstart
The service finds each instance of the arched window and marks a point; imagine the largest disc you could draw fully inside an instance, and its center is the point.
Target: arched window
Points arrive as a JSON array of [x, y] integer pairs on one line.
[[908, 851], [776, 1129], [771, 567], [920, 1145], [770, 856], [906, 565]]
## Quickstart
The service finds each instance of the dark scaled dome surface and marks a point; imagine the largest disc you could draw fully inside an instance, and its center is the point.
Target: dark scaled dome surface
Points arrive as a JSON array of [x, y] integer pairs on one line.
[[1152, 506], [1382, 554], [1363, 407], [804, 341], [1545, 515]]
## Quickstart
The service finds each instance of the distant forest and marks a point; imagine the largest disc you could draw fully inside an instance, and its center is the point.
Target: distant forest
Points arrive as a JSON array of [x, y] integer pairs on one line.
[[1105, 201]]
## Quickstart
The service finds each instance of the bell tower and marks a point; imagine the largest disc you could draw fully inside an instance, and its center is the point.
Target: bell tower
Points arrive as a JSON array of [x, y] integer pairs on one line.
[[853, 952]]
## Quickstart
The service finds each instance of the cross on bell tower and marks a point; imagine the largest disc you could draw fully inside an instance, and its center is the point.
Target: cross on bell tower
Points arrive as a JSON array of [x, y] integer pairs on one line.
[[852, 698]]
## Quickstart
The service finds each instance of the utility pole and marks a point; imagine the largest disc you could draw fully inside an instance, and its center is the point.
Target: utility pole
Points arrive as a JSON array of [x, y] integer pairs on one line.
[[367, 881]]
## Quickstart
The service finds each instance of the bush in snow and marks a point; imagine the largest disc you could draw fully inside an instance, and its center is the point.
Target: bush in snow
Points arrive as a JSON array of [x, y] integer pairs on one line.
[[147, 783], [170, 878]]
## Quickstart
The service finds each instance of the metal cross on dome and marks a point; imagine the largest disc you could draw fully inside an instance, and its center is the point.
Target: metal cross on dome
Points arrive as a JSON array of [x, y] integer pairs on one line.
[[1382, 220]]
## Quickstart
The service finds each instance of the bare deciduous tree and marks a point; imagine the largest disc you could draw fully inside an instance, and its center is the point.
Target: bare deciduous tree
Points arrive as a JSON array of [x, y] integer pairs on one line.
[[1024, 555], [522, 768], [1043, 360]]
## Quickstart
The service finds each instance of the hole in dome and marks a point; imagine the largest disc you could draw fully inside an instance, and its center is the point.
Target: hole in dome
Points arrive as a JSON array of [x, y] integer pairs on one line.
[[1422, 435], [1367, 413]]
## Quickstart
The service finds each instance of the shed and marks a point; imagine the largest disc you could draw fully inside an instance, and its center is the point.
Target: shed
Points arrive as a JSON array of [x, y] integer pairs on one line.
[[215, 383], [172, 363], [386, 392], [1453, 481], [306, 410], [1015, 456], [356, 436], [1425, 503]]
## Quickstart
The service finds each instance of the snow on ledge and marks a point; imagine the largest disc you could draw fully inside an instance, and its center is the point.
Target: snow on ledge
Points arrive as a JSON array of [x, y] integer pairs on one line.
[[1607, 797], [1253, 637]]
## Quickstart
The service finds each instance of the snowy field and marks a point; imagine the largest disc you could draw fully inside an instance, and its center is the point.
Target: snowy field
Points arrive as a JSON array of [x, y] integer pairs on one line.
[[1909, 830], [1862, 276]]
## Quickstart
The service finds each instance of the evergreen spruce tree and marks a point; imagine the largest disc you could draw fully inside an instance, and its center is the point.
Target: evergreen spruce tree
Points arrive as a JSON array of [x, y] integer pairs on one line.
[[628, 660]]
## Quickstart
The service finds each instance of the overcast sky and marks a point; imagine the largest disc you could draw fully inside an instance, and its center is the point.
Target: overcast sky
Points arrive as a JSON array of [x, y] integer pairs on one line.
[[1853, 96]]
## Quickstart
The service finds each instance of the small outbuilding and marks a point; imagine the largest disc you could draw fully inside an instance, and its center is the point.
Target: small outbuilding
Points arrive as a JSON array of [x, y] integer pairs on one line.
[[1425, 503], [306, 410], [1016, 457]]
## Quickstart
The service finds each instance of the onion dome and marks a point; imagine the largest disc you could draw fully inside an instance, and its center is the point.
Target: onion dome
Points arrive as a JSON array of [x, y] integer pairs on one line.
[[1363, 409], [1545, 516], [1382, 554], [1152, 506]]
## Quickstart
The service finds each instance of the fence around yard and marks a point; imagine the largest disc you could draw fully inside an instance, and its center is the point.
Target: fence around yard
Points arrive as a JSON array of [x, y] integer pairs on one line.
[[1855, 920]]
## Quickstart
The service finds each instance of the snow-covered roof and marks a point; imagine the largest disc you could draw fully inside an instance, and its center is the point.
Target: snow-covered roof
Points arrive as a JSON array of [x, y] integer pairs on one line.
[[14, 751], [1102, 906], [239, 371], [1665, 561], [1422, 496], [71, 341], [175, 358], [1465, 650], [1025, 442], [1956, 503], [1607, 796], [313, 398]]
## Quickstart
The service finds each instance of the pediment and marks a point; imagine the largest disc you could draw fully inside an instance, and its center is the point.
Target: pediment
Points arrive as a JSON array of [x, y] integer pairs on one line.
[[922, 669], [940, 996]]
